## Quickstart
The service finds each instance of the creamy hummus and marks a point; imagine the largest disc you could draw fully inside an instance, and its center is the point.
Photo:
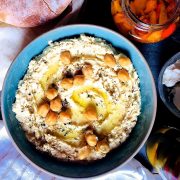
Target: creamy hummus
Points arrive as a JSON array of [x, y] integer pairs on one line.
[[79, 99]]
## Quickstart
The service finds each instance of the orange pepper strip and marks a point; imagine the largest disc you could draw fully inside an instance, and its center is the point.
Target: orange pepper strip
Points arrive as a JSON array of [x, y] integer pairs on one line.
[[163, 14], [167, 32], [116, 8], [132, 7], [154, 36], [119, 17], [150, 6], [158, 10], [139, 5], [127, 25], [153, 17]]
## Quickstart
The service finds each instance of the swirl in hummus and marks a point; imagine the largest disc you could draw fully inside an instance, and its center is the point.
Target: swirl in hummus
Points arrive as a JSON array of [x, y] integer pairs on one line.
[[79, 99]]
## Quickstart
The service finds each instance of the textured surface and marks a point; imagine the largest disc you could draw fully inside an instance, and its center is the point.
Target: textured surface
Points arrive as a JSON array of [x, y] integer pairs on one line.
[[14, 166], [116, 157], [116, 104], [26, 13]]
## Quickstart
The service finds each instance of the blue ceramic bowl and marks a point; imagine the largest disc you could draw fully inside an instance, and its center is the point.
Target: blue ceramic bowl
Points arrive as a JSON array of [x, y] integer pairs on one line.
[[164, 91], [116, 157]]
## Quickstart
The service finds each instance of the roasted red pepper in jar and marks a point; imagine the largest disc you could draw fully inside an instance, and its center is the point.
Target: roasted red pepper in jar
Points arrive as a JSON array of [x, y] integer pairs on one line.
[[147, 21]]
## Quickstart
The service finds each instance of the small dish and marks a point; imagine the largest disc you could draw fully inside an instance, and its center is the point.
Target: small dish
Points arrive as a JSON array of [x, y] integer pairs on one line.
[[164, 91]]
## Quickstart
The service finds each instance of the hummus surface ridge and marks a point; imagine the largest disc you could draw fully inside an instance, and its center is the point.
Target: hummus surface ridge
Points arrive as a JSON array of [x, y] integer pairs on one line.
[[79, 99]]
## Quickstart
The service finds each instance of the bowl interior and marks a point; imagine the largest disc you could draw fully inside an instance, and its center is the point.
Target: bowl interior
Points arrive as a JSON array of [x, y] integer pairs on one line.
[[116, 157], [164, 91]]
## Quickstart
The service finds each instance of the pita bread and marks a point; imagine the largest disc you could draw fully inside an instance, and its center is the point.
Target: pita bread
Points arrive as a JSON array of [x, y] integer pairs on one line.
[[28, 13]]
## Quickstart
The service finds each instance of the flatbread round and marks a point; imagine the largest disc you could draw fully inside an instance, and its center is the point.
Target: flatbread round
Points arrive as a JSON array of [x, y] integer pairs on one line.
[[27, 13]]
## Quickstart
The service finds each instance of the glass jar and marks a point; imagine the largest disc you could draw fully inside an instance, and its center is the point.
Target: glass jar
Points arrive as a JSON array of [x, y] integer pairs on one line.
[[163, 152], [146, 21]]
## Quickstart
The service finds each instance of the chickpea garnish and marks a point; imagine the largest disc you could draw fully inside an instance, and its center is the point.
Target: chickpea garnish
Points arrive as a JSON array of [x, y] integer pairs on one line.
[[51, 93], [79, 80], [84, 152], [123, 75], [109, 60], [43, 109], [87, 71], [65, 57], [56, 104], [124, 61], [65, 116], [67, 83], [91, 139], [91, 113], [51, 118], [102, 146]]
